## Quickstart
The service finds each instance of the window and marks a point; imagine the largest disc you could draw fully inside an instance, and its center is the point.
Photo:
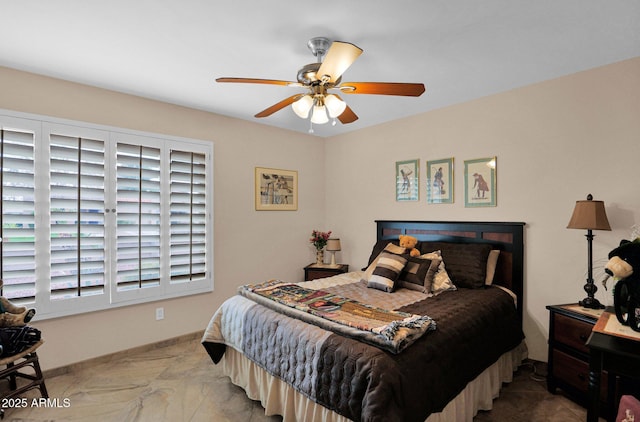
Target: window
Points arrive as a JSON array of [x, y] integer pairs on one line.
[[96, 217], [138, 210], [188, 216], [76, 169], [17, 185]]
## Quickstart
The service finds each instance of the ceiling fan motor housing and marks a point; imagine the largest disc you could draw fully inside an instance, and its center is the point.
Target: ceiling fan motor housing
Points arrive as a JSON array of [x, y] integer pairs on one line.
[[308, 76]]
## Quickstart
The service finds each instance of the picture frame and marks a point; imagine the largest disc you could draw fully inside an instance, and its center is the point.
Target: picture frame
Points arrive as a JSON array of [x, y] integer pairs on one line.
[[480, 182], [276, 189], [440, 181], [407, 180]]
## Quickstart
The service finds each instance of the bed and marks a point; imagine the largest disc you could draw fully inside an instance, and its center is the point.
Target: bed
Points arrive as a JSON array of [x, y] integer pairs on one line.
[[451, 331]]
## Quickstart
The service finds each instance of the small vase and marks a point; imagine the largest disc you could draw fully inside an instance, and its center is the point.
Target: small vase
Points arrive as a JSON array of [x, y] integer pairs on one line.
[[320, 257]]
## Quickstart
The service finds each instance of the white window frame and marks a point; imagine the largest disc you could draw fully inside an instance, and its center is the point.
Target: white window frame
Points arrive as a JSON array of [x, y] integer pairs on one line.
[[42, 127]]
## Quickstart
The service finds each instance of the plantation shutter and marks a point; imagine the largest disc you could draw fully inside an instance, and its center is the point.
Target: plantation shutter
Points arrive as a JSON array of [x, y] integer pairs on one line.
[[188, 217], [77, 168], [138, 216], [94, 217], [17, 249]]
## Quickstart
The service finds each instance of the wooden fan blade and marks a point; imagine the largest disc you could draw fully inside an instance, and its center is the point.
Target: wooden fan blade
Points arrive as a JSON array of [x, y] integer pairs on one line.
[[338, 59], [382, 88], [279, 106], [347, 116], [258, 81]]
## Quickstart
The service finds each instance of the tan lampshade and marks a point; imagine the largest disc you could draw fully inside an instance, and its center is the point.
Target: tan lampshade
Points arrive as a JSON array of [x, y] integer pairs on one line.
[[333, 245], [589, 215]]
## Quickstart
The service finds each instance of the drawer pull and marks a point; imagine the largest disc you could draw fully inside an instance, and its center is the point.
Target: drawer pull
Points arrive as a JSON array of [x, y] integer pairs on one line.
[[583, 337], [581, 377]]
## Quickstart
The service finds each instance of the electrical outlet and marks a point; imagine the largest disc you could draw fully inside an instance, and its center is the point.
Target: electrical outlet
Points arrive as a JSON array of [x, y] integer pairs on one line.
[[159, 314]]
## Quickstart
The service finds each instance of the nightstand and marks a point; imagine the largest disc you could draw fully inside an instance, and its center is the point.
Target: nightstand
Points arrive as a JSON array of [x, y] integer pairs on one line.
[[619, 356], [568, 361], [313, 271]]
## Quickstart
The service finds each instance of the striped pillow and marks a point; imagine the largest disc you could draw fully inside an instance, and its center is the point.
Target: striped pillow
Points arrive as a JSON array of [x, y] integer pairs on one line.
[[418, 274], [395, 249], [386, 272]]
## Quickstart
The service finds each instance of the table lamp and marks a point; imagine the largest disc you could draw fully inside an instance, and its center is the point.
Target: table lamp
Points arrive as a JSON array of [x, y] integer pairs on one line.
[[589, 215], [333, 246]]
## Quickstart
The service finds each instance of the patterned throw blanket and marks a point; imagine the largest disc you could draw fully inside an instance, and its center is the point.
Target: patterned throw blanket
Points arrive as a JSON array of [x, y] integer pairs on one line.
[[390, 330]]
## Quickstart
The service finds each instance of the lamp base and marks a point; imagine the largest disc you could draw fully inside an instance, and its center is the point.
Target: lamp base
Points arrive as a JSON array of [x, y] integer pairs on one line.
[[591, 303], [333, 264]]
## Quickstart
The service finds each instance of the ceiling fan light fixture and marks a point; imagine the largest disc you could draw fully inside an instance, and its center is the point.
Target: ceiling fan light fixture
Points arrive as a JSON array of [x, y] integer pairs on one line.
[[319, 115], [335, 105], [302, 106]]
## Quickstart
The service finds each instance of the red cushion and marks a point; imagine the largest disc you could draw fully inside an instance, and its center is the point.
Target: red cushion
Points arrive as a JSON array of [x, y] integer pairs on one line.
[[629, 409]]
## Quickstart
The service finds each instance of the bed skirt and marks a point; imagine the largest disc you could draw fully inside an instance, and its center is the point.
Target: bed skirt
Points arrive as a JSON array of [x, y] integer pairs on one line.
[[278, 398]]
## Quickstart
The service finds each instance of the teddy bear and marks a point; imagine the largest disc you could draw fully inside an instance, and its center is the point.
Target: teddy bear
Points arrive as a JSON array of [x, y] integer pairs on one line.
[[624, 265], [409, 243], [12, 315]]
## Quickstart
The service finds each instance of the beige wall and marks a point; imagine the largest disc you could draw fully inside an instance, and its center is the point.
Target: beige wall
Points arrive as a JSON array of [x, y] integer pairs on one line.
[[555, 141], [249, 245]]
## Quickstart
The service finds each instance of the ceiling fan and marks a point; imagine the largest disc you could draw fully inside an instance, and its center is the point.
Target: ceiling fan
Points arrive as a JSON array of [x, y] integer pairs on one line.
[[325, 75]]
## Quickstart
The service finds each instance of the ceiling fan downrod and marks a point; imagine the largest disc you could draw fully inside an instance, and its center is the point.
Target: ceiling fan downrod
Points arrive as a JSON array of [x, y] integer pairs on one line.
[[319, 47]]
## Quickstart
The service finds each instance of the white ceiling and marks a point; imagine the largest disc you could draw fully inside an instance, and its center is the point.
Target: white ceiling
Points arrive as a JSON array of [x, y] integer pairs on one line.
[[172, 50]]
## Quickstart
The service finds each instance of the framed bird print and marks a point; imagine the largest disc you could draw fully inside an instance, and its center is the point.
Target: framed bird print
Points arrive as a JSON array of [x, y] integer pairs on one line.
[[480, 182], [276, 190], [407, 180]]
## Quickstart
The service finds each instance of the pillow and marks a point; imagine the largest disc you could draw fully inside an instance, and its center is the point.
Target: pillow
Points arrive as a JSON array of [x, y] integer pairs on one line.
[[390, 247], [466, 262], [386, 272], [492, 263], [441, 280], [377, 248], [383, 245], [418, 273]]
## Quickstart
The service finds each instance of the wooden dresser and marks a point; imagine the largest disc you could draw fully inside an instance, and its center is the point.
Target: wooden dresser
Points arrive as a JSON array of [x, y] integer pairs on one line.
[[568, 361]]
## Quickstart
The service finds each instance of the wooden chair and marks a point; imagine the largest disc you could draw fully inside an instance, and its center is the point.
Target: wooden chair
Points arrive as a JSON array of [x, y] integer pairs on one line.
[[13, 364]]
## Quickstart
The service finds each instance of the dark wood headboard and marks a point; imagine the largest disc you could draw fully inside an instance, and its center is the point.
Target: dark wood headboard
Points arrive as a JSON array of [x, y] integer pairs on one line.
[[508, 237]]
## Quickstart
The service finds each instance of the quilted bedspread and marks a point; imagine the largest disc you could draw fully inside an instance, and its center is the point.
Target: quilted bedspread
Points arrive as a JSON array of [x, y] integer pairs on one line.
[[363, 382]]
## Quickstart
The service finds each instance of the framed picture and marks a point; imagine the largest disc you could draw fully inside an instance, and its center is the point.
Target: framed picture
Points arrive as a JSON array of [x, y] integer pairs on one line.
[[276, 190], [407, 180], [440, 181], [480, 182]]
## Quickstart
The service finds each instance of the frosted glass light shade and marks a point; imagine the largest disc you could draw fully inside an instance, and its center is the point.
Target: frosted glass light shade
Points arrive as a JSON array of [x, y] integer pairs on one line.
[[302, 106], [334, 105], [319, 115]]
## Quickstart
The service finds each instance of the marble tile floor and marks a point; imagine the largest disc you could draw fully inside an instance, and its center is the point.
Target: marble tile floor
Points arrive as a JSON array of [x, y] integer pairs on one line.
[[178, 382]]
